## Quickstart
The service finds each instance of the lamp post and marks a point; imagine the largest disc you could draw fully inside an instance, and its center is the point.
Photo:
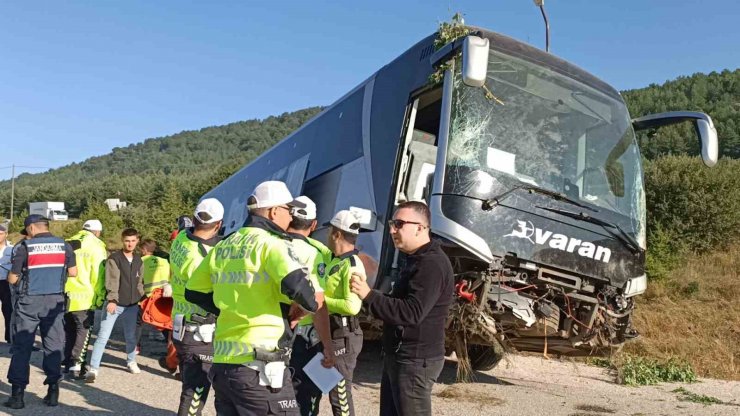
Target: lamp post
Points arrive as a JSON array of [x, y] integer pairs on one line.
[[541, 5]]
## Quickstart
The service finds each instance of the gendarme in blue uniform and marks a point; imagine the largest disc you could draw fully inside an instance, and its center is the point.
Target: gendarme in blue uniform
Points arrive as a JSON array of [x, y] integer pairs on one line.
[[42, 263]]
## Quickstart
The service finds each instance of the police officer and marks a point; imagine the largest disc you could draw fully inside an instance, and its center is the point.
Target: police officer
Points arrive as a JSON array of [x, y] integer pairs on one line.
[[344, 306], [41, 265], [249, 279], [312, 333], [156, 269], [85, 293], [194, 353]]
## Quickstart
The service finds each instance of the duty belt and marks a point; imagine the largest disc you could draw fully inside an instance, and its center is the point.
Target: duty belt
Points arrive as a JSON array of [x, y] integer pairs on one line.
[[340, 322], [272, 356], [308, 333]]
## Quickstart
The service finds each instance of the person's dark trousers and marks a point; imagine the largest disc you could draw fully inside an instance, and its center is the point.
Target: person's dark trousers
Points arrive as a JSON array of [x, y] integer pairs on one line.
[[306, 392], [406, 385], [238, 392], [7, 306], [77, 326], [45, 312], [346, 351], [196, 358]]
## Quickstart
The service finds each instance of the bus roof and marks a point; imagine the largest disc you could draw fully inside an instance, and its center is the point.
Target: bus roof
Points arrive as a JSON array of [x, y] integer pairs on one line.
[[511, 46]]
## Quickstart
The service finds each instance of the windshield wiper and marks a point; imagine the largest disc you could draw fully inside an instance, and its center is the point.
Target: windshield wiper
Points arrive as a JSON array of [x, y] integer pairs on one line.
[[489, 204], [620, 234]]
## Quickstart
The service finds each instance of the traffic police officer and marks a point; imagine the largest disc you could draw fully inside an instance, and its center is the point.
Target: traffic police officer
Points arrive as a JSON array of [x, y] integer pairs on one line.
[[312, 333], [85, 293], [249, 279], [156, 276], [156, 269], [193, 351], [344, 306], [40, 267]]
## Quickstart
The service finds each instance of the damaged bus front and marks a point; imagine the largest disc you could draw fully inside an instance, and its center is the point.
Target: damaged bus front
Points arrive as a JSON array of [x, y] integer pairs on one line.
[[539, 189]]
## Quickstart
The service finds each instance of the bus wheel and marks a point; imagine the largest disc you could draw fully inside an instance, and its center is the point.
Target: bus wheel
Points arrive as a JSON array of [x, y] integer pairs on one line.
[[485, 357]]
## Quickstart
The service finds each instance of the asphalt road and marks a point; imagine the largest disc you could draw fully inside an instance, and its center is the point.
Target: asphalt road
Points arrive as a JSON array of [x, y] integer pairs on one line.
[[520, 386]]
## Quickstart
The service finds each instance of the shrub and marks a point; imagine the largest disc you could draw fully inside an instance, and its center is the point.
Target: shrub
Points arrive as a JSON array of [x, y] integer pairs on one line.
[[639, 371], [690, 208]]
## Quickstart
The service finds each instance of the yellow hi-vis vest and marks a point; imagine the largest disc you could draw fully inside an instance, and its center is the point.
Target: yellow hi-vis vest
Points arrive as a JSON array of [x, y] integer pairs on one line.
[[245, 272], [156, 273], [87, 289], [310, 254], [337, 295], [185, 256]]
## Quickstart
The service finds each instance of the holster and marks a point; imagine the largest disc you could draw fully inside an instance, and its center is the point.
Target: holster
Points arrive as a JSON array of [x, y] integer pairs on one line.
[[208, 319], [271, 365], [309, 334], [272, 356], [343, 326]]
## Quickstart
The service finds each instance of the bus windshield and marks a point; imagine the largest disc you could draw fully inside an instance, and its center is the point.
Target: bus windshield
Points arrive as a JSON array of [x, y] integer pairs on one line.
[[531, 125]]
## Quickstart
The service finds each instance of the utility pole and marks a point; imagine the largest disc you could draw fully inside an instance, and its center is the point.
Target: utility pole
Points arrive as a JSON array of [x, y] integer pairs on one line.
[[12, 191], [12, 183]]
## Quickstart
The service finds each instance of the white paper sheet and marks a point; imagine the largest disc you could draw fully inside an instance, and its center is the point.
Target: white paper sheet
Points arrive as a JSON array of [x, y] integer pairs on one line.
[[324, 378], [501, 161]]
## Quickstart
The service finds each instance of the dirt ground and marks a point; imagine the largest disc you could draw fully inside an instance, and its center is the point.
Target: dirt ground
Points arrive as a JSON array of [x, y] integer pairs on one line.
[[523, 385]]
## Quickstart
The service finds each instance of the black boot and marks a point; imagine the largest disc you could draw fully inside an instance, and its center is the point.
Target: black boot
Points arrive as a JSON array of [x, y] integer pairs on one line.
[[16, 398], [52, 395]]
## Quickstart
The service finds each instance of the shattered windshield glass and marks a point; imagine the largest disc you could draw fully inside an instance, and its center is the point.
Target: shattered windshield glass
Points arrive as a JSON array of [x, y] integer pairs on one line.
[[531, 125]]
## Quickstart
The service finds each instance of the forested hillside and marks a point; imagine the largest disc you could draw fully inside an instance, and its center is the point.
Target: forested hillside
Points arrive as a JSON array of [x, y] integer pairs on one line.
[[717, 94], [190, 161]]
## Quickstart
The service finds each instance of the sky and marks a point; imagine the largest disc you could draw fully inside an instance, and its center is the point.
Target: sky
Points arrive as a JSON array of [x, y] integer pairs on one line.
[[78, 78]]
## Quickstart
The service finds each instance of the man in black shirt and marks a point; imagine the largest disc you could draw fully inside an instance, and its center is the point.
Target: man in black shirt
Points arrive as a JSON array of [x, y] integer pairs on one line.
[[413, 313]]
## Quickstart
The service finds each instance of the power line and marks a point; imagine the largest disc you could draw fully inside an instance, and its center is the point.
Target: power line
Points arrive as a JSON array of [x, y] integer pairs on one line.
[[33, 167], [26, 167]]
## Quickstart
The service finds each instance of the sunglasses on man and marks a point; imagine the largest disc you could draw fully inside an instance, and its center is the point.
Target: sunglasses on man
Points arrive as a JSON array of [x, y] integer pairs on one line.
[[398, 224]]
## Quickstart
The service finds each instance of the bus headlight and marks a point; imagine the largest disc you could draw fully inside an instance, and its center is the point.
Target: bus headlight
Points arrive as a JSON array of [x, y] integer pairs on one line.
[[635, 286]]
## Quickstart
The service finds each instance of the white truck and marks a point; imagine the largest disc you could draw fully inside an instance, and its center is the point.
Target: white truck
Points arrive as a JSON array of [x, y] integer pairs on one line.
[[51, 210]]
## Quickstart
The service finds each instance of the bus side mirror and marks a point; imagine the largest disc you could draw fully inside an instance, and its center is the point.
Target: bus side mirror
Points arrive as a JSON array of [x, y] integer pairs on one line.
[[475, 61], [703, 125]]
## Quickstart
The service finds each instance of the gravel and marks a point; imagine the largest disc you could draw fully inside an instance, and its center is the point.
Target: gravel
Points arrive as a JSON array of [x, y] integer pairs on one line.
[[521, 385]]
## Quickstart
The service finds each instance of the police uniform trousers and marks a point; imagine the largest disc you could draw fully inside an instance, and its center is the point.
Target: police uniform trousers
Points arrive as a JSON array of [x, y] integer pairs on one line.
[[306, 393], [46, 313], [196, 358], [346, 350], [238, 392], [77, 326]]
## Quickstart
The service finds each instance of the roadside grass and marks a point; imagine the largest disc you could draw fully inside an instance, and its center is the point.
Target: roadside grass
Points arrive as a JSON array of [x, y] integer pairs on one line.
[[694, 316], [687, 396], [463, 391], [690, 325], [633, 370], [641, 371]]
